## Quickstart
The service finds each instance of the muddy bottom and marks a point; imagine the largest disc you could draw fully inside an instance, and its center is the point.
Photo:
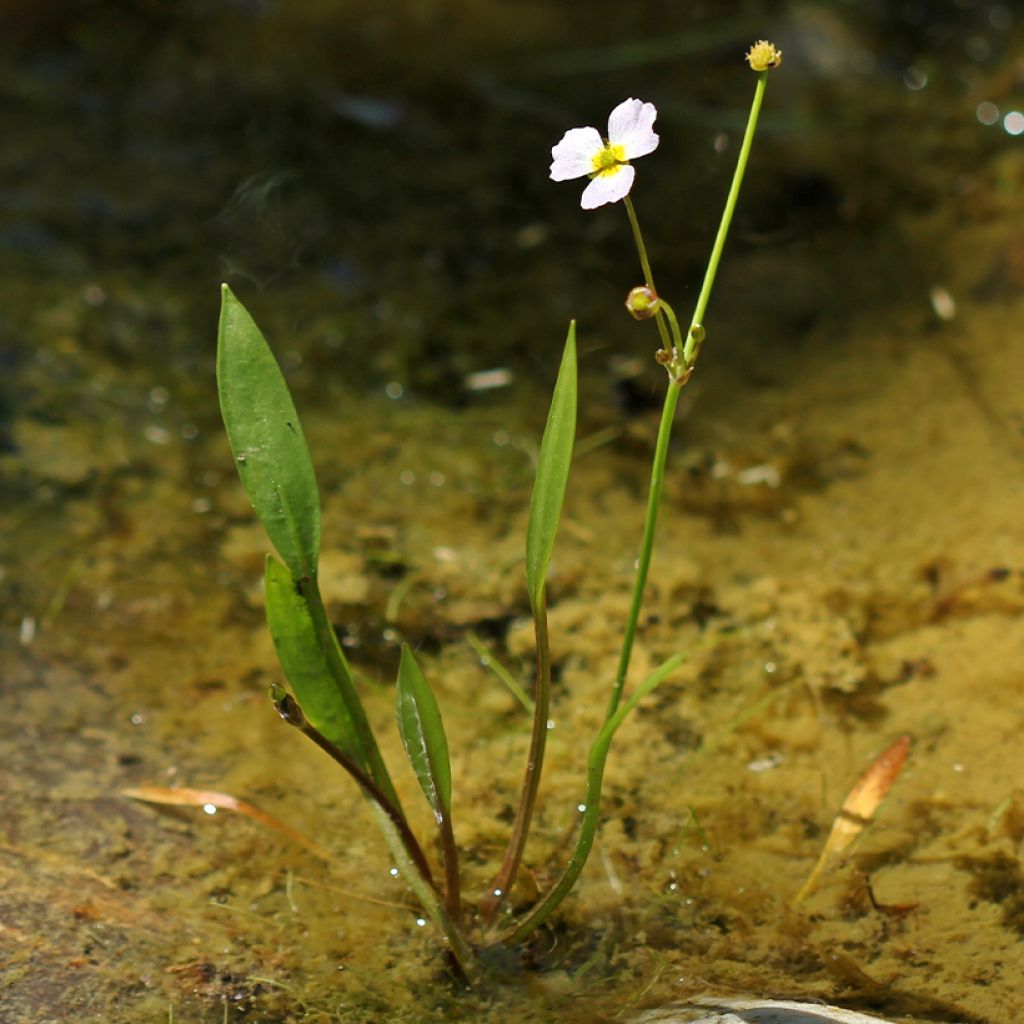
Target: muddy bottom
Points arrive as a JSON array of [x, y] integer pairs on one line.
[[841, 554]]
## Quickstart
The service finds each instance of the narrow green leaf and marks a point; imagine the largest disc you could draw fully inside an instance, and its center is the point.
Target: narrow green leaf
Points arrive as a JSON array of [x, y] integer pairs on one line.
[[299, 651], [488, 660], [422, 731], [266, 439], [552, 473]]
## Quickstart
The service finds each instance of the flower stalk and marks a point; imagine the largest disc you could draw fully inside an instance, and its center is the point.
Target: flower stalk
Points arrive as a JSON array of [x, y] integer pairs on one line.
[[680, 369], [645, 264], [498, 891], [276, 471]]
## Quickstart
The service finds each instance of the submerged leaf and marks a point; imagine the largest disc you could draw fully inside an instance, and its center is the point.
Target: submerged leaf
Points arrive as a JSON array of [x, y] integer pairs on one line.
[[858, 809], [423, 736], [552, 473], [266, 439], [182, 796]]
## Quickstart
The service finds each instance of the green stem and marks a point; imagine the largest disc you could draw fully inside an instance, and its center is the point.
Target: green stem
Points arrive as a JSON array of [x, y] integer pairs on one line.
[[429, 900], [645, 264], [291, 711], [675, 386], [723, 227], [408, 854], [677, 379], [450, 854], [497, 893], [592, 810], [370, 756], [641, 249], [677, 336]]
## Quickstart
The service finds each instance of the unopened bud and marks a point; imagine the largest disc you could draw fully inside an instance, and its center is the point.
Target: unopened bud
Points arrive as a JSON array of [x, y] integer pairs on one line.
[[643, 302], [763, 56]]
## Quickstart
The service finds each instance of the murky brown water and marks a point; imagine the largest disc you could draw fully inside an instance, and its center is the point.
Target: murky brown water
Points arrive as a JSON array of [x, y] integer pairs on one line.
[[841, 546]]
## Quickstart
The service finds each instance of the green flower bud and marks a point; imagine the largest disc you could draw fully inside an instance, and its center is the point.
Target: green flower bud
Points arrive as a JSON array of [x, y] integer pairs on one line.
[[643, 302], [763, 56]]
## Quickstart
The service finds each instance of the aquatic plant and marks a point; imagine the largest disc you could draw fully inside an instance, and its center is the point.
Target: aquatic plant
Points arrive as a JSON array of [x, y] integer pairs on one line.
[[274, 465]]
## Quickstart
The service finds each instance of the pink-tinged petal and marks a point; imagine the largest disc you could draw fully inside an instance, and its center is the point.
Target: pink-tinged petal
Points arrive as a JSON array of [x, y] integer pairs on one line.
[[608, 188], [574, 155], [631, 125]]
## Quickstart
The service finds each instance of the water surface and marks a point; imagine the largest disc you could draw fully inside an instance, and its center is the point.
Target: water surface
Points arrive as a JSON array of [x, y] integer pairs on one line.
[[841, 547]]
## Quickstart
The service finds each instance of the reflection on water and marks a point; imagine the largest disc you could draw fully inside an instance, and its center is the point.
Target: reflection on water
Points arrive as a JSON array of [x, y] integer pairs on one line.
[[841, 552]]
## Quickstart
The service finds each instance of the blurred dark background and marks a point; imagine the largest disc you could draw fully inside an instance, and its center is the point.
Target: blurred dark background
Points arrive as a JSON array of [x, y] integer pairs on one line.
[[371, 176]]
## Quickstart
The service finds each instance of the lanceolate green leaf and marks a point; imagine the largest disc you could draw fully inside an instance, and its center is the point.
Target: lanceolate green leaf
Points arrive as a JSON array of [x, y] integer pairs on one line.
[[316, 667], [298, 650], [266, 439], [552, 473], [422, 731]]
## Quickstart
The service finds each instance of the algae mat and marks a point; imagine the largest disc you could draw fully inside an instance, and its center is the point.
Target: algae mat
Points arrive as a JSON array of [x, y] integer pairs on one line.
[[863, 583]]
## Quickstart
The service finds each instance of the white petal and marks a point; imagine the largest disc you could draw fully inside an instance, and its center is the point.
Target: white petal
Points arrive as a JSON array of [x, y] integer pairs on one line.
[[574, 155], [631, 125], [608, 188]]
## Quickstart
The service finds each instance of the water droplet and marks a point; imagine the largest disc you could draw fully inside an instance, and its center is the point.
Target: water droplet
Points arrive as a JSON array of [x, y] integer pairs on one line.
[[27, 632], [987, 112], [488, 380], [1000, 17], [915, 79], [943, 303]]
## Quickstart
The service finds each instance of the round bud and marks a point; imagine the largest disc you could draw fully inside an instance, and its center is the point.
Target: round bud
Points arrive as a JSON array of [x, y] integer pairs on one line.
[[642, 302], [763, 56]]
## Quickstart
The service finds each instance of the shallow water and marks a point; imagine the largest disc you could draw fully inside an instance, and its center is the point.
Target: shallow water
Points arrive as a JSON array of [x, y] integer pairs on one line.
[[841, 546]]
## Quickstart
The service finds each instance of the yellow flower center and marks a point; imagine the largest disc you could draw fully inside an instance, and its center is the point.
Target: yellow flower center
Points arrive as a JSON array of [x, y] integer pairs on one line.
[[609, 161]]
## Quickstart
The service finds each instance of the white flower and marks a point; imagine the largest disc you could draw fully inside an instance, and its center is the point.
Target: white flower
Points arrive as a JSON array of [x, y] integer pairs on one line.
[[582, 151]]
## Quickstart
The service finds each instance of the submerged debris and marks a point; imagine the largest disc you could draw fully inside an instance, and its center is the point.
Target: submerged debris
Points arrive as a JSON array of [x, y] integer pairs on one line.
[[753, 1011]]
